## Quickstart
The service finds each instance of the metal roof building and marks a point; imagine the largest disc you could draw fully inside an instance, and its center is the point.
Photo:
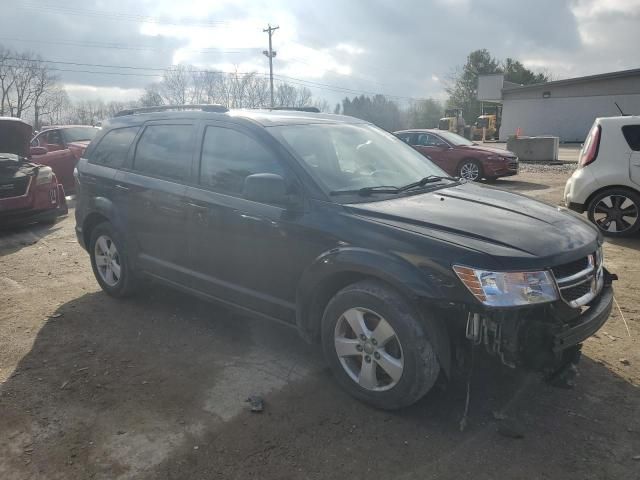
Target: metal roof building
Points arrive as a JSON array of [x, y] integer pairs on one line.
[[562, 108]]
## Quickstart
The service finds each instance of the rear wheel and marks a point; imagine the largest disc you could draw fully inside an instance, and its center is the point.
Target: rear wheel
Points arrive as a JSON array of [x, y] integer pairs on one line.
[[377, 347], [109, 261], [616, 212], [470, 170]]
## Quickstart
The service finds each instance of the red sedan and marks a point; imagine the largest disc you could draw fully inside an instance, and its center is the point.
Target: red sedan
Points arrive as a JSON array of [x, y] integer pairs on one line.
[[29, 192], [461, 157], [61, 148]]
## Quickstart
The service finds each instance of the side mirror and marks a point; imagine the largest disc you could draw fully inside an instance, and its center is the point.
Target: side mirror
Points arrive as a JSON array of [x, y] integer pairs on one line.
[[266, 188], [38, 151]]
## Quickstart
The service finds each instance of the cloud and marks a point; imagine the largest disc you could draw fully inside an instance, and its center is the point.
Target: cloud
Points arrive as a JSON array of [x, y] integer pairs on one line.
[[405, 49]]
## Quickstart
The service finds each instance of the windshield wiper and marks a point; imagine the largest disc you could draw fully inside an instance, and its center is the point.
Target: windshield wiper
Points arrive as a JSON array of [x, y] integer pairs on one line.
[[424, 181], [365, 191]]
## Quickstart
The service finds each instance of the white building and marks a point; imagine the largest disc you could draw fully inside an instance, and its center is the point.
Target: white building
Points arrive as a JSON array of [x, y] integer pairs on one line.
[[563, 108]]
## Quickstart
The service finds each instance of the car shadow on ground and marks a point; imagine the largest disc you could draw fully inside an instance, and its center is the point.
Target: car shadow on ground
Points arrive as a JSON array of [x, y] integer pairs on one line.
[[632, 242], [17, 237], [515, 184], [154, 387]]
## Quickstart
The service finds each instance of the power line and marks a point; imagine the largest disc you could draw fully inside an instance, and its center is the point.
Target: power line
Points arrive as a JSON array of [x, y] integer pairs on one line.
[[120, 46], [292, 80], [64, 10]]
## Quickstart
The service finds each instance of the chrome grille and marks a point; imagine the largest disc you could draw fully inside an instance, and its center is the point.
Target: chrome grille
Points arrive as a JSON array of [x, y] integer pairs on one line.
[[581, 280]]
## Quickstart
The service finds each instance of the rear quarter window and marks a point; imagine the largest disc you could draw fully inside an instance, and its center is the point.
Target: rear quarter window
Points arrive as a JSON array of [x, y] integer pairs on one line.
[[632, 136], [113, 147]]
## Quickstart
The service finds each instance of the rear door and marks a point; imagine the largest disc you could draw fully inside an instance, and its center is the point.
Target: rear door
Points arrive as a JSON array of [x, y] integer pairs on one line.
[[632, 136], [151, 194]]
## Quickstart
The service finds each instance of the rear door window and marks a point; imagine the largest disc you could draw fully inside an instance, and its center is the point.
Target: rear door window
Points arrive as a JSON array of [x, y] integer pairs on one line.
[[165, 151], [113, 148], [230, 156], [632, 136]]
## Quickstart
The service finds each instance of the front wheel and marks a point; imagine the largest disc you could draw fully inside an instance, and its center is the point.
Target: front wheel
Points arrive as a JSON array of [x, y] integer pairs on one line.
[[108, 255], [377, 347], [470, 170], [616, 212]]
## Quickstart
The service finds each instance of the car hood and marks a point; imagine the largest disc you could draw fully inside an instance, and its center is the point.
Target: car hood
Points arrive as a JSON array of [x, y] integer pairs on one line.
[[491, 221], [14, 136], [488, 150]]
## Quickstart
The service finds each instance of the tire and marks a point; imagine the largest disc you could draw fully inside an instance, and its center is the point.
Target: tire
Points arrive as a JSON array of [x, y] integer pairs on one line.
[[122, 281], [470, 170], [407, 354], [607, 211]]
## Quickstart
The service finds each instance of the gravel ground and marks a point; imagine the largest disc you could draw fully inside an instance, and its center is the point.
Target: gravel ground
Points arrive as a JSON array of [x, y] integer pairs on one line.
[[154, 387]]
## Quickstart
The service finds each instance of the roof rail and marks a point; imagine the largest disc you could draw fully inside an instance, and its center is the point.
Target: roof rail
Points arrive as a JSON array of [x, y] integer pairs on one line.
[[213, 107], [298, 109]]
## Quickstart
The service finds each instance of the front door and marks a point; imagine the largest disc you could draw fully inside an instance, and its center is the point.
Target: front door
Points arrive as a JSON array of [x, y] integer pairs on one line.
[[58, 157], [437, 150], [242, 251]]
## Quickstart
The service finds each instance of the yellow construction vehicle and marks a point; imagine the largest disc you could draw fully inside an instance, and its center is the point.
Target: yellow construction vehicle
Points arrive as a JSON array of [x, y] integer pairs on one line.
[[452, 121], [490, 121]]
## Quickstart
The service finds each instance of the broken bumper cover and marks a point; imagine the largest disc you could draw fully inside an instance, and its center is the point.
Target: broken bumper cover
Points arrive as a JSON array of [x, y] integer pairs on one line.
[[590, 321], [542, 338]]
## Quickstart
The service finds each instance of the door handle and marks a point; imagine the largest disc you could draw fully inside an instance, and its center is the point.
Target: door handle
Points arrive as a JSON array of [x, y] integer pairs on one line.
[[122, 188], [197, 207], [251, 217]]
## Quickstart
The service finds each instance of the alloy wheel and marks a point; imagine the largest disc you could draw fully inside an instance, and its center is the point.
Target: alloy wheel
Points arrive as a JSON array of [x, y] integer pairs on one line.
[[615, 213], [470, 171], [107, 260], [368, 349]]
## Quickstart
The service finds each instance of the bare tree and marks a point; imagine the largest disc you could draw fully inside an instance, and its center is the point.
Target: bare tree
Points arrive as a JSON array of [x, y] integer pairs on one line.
[[21, 96], [7, 78]]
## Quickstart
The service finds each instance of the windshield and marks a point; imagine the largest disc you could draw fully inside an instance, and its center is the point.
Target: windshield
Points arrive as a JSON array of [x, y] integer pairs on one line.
[[454, 139], [354, 156], [79, 134]]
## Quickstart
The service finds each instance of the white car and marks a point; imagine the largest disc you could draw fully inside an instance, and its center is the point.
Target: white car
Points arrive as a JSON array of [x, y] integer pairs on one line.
[[607, 182]]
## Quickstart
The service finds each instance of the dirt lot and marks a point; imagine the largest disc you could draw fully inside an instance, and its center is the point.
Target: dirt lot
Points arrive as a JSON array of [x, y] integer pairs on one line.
[[154, 387]]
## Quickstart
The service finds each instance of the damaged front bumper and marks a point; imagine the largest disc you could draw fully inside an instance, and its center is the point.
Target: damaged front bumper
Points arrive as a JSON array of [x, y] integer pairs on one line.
[[543, 338]]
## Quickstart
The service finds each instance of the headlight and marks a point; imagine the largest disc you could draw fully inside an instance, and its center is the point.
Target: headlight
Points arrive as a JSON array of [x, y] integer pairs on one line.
[[508, 289], [45, 175]]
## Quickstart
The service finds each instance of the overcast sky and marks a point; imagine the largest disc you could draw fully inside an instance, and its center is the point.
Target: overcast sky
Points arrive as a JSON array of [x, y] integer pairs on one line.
[[404, 48]]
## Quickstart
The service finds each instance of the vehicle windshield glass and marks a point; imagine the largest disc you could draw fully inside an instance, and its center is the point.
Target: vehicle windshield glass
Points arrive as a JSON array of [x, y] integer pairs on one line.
[[454, 139], [355, 156], [79, 134]]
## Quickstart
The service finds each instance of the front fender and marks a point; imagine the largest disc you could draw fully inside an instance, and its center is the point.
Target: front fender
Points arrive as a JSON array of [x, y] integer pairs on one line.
[[336, 268]]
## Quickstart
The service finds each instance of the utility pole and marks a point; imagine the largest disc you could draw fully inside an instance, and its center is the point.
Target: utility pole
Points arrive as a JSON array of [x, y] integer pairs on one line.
[[270, 53]]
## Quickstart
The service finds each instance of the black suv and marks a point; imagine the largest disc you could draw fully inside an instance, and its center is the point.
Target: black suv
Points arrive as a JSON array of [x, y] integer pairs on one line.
[[337, 227]]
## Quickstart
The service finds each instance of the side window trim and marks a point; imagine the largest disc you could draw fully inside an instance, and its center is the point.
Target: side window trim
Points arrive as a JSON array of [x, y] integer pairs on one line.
[[127, 160], [130, 163], [290, 175], [631, 134]]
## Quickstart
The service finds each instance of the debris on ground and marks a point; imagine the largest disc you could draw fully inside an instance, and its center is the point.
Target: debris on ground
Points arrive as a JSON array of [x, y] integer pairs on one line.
[[510, 429], [499, 415], [624, 361], [55, 315], [256, 402]]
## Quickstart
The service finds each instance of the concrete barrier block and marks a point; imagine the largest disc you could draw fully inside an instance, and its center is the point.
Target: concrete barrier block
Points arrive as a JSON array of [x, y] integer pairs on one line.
[[534, 149]]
